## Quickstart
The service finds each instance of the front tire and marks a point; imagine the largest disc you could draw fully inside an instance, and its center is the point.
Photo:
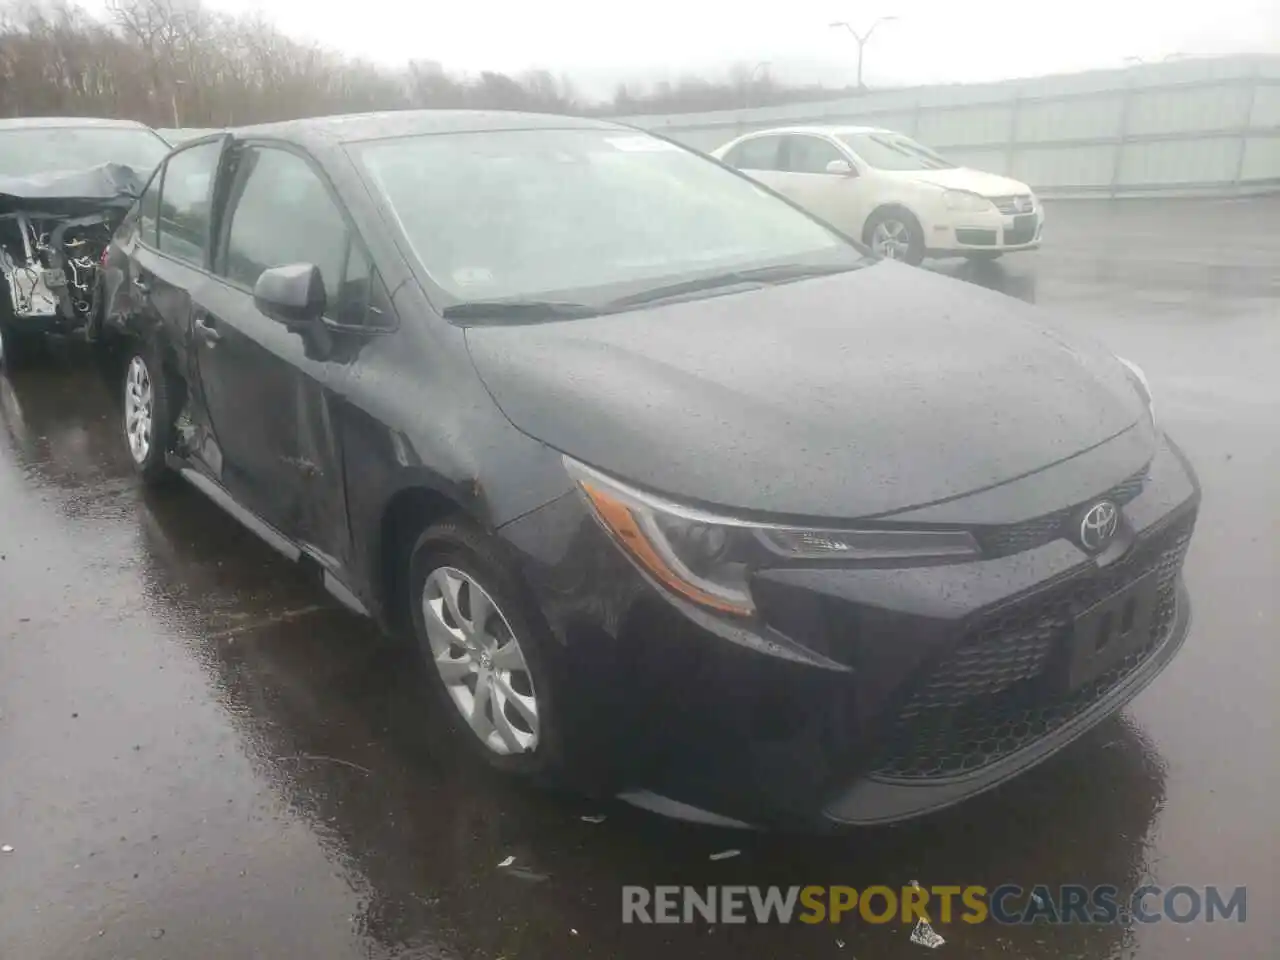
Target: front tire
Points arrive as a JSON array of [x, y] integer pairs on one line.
[[487, 649], [895, 234], [147, 415]]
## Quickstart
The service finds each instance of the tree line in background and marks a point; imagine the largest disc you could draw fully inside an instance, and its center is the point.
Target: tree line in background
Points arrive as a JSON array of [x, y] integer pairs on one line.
[[176, 63]]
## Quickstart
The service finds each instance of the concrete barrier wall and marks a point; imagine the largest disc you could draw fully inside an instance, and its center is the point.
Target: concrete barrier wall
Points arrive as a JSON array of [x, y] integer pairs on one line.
[[1184, 127]]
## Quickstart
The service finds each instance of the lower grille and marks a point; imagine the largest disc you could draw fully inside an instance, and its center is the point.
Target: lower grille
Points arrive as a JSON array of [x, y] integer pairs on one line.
[[991, 697], [1022, 231], [975, 237]]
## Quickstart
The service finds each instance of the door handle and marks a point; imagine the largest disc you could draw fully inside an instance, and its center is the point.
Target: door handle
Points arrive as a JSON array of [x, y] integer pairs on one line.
[[207, 327], [141, 285]]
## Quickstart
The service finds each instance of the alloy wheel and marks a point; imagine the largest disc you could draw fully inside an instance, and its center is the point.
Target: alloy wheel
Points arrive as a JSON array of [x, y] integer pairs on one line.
[[480, 661], [891, 239], [139, 406]]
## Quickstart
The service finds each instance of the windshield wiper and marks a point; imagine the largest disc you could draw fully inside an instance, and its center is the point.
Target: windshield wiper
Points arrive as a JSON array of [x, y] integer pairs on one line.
[[780, 273], [520, 310]]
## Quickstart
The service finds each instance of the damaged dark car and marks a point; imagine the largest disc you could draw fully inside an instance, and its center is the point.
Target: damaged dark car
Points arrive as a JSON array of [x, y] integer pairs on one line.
[[65, 185], [682, 496]]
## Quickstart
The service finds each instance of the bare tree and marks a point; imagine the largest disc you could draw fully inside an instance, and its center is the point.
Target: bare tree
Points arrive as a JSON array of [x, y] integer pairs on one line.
[[175, 62]]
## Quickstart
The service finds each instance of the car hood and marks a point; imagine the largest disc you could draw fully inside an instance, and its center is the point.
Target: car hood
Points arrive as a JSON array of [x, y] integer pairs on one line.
[[964, 178], [71, 191], [848, 396]]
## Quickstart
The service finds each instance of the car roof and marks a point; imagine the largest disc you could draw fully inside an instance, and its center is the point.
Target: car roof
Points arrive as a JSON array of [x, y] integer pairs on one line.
[[349, 128], [18, 123], [821, 131]]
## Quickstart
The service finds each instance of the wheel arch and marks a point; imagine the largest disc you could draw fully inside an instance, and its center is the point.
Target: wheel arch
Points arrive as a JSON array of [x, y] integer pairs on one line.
[[889, 206], [404, 515]]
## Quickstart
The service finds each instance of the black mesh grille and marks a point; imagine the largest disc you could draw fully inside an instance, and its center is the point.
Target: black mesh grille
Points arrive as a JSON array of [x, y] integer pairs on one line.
[[1000, 541], [990, 696], [1022, 231]]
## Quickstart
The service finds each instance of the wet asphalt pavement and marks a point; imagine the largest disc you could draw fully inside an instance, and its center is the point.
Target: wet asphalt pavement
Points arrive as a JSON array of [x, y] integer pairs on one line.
[[202, 756]]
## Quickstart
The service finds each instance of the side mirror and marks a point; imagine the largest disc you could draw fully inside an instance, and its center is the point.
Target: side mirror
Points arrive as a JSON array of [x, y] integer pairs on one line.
[[841, 168], [292, 294]]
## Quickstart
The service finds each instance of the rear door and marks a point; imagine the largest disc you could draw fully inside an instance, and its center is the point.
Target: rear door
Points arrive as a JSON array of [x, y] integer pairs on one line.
[[760, 159], [269, 387], [166, 246]]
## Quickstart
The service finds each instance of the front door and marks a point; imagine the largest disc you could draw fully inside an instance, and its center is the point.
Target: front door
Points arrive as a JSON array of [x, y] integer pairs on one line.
[[833, 197], [270, 388]]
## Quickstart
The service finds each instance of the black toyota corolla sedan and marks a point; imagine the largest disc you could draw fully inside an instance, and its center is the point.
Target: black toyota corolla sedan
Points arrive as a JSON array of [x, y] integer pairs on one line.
[[683, 497]]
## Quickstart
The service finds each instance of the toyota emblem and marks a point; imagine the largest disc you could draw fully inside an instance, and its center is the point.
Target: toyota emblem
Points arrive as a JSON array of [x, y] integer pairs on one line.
[[1098, 525]]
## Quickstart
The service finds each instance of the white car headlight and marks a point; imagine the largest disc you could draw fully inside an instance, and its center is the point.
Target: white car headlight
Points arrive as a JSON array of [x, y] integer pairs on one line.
[[706, 558], [1142, 385], [966, 202]]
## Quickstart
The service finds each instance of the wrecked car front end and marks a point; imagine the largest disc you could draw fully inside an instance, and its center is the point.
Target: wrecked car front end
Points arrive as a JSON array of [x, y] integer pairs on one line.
[[54, 229]]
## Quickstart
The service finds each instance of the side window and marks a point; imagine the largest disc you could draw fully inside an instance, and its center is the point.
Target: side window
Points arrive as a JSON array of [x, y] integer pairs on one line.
[[284, 214], [760, 153], [810, 154], [149, 210], [185, 199]]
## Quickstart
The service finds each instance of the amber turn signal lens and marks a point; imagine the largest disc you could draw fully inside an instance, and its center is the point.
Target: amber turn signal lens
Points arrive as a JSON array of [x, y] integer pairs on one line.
[[621, 521]]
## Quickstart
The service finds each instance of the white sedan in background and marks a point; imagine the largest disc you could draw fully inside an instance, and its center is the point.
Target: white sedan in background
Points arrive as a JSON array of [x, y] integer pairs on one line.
[[897, 196]]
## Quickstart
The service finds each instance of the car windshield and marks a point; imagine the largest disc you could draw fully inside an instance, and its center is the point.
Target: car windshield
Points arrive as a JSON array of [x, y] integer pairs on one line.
[[893, 151], [589, 214], [24, 152]]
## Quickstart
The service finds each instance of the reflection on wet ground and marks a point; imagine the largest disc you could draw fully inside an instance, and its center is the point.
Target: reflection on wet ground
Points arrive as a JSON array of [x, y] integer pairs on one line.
[[202, 755]]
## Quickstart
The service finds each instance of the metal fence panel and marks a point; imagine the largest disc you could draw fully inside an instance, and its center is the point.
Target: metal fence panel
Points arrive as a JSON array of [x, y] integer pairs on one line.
[[1191, 109], [967, 125], [1266, 107], [1201, 126], [1261, 158], [1056, 167], [1205, 160], [1041, 121]]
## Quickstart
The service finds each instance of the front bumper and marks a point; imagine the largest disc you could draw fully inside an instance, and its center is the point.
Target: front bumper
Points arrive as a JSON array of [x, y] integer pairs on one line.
[[991, 232], [863, 695]]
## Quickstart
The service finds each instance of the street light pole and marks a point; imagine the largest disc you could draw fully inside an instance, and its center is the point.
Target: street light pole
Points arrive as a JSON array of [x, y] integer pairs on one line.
[[862, 39], [173, 100], [760, 69]]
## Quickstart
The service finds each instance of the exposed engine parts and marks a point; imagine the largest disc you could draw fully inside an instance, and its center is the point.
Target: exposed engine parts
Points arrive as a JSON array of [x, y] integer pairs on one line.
[[50, 264], [55, 227]]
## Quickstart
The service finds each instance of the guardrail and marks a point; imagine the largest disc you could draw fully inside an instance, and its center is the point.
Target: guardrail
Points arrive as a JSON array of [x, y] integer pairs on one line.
[[1190, 127]]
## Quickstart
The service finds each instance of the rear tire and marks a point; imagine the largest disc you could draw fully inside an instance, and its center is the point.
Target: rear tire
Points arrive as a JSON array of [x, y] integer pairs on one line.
[[487, 649], [147, 415], [895, 234]]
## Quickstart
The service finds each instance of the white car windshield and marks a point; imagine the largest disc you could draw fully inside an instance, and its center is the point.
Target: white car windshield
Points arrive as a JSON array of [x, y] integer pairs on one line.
[[24, 152], [893, 151], [583, 213]]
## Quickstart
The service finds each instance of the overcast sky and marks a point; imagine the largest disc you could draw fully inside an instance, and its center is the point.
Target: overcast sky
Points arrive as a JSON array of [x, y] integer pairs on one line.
[[932, 41]]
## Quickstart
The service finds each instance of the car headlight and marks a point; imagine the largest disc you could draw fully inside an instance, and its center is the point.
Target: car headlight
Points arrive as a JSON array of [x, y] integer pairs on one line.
[[707, 559], [966, 202], [1142, 385]]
